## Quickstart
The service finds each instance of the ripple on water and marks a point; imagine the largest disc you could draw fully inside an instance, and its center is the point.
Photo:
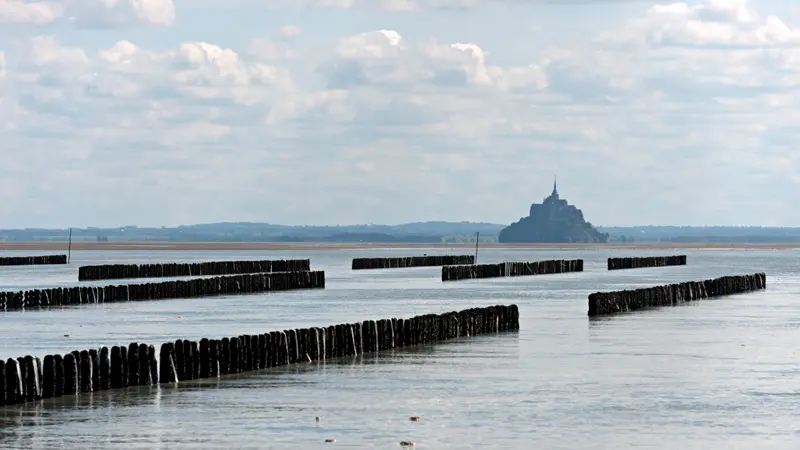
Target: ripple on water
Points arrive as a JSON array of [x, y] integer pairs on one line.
[[711, 374]]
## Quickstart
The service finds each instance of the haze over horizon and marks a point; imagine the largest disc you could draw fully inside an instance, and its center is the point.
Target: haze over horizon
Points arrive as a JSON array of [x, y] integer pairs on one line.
[[394, 111], [398, 224]]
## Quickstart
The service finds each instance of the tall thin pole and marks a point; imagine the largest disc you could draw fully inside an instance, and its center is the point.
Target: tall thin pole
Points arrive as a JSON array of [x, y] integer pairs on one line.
[[477, 237], [69, 250]]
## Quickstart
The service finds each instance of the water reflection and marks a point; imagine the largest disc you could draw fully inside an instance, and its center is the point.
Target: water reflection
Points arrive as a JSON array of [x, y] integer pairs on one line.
[[718, 373], [32, 424]]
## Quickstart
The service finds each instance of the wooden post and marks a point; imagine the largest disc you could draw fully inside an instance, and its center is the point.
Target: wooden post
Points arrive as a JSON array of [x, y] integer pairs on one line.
[[105, 369], [477, 239], [204, 358], [70, 375], [69, 249]]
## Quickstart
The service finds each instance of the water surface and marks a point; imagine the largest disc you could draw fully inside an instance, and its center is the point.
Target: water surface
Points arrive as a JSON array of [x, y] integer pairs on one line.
[[720, 373]]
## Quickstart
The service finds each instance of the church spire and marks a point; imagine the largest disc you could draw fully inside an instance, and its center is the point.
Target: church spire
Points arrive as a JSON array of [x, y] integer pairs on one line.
[[555, 188]]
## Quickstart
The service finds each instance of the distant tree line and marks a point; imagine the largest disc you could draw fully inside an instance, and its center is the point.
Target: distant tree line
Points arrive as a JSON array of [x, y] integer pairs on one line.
[[422, 232]]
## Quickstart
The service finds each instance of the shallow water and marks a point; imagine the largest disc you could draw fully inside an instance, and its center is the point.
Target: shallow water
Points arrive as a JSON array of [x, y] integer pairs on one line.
[[720, 373]]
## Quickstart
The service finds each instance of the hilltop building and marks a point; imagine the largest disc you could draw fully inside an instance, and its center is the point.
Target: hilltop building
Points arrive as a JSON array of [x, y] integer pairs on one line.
[[552, 221]]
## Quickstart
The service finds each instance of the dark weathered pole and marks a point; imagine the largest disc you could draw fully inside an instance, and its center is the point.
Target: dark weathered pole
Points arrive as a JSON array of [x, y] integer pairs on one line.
[[477, 239], [69, 249]]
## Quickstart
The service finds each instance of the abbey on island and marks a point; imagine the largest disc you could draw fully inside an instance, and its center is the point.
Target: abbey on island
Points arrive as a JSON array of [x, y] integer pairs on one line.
[[552, 221]]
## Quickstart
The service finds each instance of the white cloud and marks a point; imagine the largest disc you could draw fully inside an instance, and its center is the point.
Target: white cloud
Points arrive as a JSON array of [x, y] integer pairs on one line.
[[385, 5], [120, 12], [685, 113], [710, 50], [89, 13], [46, 50], [375, 44], [382, 57], [266, 50], [22, 11], [289, 31], [715, 22]]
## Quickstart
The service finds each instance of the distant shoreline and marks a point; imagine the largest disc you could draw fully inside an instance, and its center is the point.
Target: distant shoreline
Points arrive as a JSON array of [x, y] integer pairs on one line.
[[284, 246]]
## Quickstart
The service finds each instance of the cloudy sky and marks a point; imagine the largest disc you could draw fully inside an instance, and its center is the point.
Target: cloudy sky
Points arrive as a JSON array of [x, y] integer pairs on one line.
[[166, 112]]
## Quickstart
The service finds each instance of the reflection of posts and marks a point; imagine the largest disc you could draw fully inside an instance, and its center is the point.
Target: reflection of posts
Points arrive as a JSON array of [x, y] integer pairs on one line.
[[136, 365], [32, 260], [602, 303], [510, 269], [165, 270], [411, 261], [199, 287], [645, 261]]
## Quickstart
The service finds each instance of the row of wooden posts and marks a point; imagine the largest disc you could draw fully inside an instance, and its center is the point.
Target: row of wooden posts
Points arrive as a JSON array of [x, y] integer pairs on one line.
[[197, 287], [161, 270], [28, 378], [510, 269], [462, 267], [637, 262], [32, 260], [603, 303], [411, 261]]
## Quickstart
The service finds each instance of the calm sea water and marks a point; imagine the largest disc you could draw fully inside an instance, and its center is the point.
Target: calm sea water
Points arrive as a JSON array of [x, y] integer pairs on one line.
[[721, 373]]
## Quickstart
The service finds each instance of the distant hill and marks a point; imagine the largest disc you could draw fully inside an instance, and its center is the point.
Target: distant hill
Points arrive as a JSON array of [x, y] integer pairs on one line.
[[422, 232], [709, 235], [427, 232]]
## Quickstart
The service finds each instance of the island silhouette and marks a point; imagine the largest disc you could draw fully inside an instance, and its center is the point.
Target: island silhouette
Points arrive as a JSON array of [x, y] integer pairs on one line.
[[554, 220]]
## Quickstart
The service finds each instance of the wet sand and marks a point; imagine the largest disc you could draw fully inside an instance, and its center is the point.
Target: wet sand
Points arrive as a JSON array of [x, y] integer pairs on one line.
[[284, 246]]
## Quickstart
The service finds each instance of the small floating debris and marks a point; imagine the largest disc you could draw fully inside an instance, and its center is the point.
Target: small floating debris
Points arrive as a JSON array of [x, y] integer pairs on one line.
[[407, 444], [330, 440], [414, 418], [66, 334], [316, 418]]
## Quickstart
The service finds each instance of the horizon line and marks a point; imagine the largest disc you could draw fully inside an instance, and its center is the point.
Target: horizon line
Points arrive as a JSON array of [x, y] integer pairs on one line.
[[453, 222]]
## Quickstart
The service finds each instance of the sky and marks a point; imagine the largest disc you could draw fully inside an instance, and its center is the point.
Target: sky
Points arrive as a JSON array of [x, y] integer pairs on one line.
[[325, 112]]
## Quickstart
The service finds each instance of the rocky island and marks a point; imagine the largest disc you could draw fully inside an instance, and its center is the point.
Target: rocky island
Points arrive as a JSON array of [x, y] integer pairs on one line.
[[554, 220]]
